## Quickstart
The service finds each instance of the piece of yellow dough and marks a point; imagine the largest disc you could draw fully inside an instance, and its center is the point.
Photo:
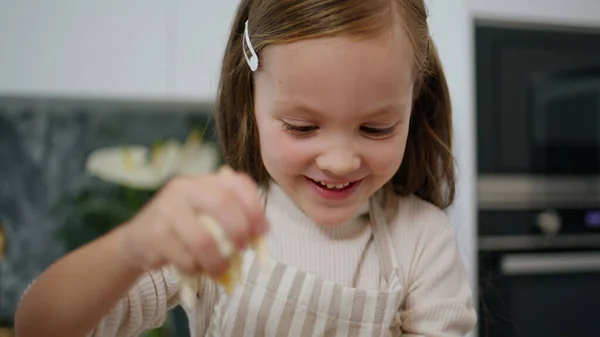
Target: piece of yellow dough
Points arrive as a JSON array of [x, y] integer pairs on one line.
[[233, 277]]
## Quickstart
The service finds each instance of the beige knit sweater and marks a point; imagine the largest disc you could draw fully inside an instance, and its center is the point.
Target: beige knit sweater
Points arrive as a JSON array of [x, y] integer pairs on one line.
[[438, 300]]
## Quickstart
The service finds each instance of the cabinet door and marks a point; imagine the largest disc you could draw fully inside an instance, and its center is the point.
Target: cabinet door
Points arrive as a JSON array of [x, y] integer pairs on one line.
[[201, 31], [98, 48]]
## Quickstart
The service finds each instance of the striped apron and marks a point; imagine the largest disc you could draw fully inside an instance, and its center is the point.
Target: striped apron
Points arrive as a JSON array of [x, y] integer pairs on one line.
[[280, 300]]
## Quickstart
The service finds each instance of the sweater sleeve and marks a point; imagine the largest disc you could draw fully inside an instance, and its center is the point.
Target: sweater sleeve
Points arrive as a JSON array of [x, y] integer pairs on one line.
[[147, 303], [144, 307], [438, 300]]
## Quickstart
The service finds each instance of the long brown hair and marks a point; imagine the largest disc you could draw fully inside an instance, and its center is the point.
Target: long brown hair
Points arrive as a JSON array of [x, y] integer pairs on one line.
[[427, 169]]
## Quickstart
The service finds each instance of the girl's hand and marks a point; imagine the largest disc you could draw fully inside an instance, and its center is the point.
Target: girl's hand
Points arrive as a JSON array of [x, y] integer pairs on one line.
[[169, 229]]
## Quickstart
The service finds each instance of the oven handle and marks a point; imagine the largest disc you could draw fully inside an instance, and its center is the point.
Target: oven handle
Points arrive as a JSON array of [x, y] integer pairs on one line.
[[532, 242], [550, 263]]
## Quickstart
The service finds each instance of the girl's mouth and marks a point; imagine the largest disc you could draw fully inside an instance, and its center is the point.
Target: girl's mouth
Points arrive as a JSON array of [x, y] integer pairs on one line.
[[333, 187], [334, 191]]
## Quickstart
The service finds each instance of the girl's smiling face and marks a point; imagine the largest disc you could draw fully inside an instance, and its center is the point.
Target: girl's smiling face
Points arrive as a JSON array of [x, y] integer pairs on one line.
[[333, 117]]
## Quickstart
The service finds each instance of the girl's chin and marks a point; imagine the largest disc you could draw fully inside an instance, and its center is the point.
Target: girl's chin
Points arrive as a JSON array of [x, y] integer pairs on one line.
[[329, 217]]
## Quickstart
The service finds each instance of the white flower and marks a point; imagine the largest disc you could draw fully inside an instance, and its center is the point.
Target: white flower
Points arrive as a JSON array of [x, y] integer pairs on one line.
[[148, 169]]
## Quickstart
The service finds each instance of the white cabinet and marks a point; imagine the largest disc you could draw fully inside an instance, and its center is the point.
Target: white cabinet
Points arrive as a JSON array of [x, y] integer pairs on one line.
[[200, 35], [157, 49], [108, 48]]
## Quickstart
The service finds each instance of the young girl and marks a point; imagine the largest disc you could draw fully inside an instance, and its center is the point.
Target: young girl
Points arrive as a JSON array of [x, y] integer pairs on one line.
[[336, 117]]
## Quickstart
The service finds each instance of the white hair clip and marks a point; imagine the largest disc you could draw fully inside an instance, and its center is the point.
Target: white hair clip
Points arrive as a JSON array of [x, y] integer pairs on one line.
[[253, 60]]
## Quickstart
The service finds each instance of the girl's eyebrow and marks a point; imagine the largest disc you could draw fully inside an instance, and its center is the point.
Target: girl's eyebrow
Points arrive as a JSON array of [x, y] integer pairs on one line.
[[306, 111]]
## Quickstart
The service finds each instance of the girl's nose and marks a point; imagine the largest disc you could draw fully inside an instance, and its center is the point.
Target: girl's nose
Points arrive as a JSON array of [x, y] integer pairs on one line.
[[339, 162]]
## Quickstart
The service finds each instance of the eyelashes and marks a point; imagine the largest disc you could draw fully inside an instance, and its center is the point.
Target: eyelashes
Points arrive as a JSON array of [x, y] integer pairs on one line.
[[298, 128], [305, 130], [378, 131]]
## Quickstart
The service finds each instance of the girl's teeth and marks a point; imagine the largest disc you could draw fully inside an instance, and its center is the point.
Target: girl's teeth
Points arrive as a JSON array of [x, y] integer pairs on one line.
[[332, 186]]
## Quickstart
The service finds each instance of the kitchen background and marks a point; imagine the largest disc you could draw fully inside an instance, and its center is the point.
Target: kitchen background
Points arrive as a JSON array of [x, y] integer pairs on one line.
[[77, 76]]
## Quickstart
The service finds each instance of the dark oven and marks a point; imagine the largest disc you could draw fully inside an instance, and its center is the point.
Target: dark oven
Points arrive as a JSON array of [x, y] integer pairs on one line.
[[538, 154], [539, 273]]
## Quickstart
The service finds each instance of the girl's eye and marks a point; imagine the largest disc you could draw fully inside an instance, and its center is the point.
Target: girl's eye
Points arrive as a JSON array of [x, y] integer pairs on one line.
[[298, 129], [377, 132], [369, 131]]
